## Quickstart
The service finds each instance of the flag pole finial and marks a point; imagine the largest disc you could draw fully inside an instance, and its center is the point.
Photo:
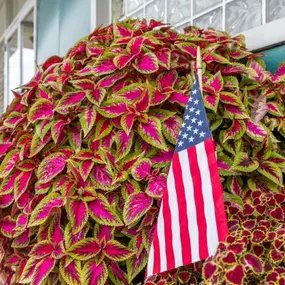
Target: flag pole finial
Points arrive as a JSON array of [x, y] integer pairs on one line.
[[199, 67]]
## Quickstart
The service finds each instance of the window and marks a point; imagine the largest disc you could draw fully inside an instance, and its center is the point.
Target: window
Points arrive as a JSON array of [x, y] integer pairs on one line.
[[17, 56], [13, 65], [233, 16], [28, 64]]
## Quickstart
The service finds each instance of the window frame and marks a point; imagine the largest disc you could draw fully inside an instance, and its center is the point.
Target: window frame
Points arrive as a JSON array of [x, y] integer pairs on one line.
[[16, 26], [257, 39]]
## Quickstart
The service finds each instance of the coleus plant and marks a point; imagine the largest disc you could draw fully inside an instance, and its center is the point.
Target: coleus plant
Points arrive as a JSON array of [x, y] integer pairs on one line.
[[85, 148]]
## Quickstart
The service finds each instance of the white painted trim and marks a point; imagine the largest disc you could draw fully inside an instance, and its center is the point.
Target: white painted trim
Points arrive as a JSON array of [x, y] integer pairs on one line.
[[27, 7], [35, 31], [266, 35], [93, 10], [110, 12]]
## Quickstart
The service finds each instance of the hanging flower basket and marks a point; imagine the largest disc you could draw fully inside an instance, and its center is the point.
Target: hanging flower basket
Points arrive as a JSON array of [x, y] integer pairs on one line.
[[87, 143]]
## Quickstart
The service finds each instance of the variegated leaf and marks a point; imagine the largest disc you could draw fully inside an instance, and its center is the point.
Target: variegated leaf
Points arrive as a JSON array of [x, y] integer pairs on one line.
[[40, 110], [171, 128], [44, 209], [94, 274], [50, 167], [136, 264], [146, 64], [135, 207], [87, 119], [116, 251], [141, 169], [78, 214], [69, 100], [271, 171], [151, 133], [70, 270], [255, 130], [103, 213], [235, 131], [84, 249], [244, 163]]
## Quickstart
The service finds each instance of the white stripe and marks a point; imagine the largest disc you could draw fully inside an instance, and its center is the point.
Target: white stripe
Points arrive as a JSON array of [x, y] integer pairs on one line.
[[191, 206], [161, 238], [207, 191], [149, 270], [174, 208]]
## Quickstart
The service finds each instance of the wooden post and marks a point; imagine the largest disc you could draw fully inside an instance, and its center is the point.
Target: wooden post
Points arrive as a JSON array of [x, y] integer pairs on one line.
[[199, 68]]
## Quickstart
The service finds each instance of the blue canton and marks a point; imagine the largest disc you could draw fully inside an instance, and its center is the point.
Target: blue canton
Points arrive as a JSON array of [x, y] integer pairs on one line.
[[195, 127]]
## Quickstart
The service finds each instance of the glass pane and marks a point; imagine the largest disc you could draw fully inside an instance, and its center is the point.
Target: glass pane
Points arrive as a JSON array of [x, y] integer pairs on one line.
[[178, 10], [202, 5], [2, 65], [13, 65], [133, 4], [117, 9], [138, 14], [243, 15], [13, 8], [180, 29], [275, 10], [155, 10], [28, 47], [212, 19]]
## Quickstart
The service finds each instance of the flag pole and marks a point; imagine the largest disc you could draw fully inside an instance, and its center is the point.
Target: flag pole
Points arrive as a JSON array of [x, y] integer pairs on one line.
[[199, 67]]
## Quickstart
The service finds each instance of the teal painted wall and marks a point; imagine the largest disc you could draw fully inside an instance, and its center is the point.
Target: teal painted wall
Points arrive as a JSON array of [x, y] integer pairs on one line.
[[273, 57], [60, 24]]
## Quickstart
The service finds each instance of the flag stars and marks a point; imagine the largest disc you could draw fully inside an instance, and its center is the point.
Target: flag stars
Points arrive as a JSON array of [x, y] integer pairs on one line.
[[184, 136], [191, 139], [183, 125], [194, 91], [180, 143], [202, 134], [193, 120], [200, 123], [191, 109], [196, 101], [190, 99], [198, 112], [195, 131], [187, 117], [189, 128]]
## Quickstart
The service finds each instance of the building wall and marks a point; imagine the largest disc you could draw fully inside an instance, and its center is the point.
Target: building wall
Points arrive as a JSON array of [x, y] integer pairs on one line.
[[60, 24], [2, 84]]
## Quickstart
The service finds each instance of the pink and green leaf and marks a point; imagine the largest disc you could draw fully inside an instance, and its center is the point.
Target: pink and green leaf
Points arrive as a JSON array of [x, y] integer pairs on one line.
[[255, 130], [146, 64], [103, 213], [135, 207], [78, 214], [42, 109], [116, 251], [50, 167], [84, 249], [151, 133], [87, 119], [94, 274], [171, 128], [44, 209]]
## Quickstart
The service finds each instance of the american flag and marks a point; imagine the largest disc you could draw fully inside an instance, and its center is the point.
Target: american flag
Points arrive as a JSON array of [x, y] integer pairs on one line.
[[192, 218]]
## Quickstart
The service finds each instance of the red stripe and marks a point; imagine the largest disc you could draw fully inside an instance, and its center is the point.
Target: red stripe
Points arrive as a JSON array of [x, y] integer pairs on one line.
[[156, 254], [170, 261], [220, 213], [182, 208], [199, 202]]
